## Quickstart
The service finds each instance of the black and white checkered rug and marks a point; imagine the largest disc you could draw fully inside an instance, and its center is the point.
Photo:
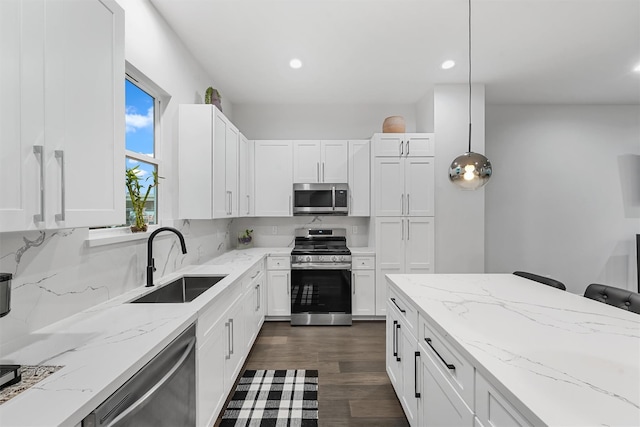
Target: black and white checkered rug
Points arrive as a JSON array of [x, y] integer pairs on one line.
[[274, 398]]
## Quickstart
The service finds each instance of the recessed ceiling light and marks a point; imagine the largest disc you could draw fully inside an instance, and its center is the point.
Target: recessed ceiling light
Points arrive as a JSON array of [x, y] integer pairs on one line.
[[637, 69], [448, 64], [295, 63]]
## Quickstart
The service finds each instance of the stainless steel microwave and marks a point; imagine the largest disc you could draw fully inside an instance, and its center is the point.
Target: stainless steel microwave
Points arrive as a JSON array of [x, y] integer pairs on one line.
[[320, 199]]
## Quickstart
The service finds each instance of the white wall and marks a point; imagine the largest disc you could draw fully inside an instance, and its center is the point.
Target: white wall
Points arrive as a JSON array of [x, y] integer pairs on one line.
[[336, 121], [55, 274], [564, 200], [459, 214]]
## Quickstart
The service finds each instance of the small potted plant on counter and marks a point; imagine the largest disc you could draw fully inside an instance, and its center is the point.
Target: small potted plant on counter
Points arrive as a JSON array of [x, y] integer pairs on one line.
[[245, 239], [138, 200]]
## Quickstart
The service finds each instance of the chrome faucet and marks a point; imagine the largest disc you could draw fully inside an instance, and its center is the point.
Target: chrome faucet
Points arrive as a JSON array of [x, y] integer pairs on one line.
[[150, 261]]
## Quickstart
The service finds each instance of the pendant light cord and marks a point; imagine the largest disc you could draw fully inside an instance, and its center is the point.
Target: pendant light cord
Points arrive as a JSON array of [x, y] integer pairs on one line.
[[469, 76]]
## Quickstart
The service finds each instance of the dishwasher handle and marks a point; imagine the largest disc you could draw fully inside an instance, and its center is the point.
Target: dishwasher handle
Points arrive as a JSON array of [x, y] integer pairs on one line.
[[139, 404]]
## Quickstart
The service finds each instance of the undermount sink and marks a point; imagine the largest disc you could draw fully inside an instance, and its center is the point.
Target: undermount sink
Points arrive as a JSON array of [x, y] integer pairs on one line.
[[184, 289]]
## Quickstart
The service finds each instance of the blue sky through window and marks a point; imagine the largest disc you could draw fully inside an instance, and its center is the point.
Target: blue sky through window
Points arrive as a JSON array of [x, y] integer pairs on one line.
[[139, 120]]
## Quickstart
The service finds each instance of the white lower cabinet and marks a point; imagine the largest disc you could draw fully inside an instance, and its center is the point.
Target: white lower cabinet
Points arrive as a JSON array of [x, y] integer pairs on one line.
[[278, 286], [401, 362], [211, 389], [254, 307], [226, 330], [363, 284], [439, 404], [493, 410]]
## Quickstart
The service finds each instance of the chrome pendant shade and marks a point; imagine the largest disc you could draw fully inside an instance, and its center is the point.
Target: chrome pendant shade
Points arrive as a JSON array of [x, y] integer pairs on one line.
[[470, 170]]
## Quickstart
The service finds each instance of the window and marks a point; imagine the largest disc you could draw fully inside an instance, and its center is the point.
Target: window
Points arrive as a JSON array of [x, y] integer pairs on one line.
[[141, 108]]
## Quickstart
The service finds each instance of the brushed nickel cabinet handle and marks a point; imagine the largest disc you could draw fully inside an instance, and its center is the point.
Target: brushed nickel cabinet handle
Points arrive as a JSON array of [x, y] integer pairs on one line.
[[38, 150], [59, 154]]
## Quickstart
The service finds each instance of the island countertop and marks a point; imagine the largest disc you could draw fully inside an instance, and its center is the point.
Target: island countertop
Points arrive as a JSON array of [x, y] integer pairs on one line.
[[569, 360]]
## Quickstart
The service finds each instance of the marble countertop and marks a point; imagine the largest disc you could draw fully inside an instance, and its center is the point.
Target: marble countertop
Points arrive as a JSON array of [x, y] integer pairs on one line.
[[102, 347], [569, 360]]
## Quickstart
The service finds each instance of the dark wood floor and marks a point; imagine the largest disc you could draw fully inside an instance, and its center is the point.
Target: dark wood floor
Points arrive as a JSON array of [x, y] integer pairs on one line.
[[353, 386]]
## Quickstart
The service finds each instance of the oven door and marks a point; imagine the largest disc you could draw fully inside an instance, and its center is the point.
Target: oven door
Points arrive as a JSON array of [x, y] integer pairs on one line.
[[320, 297]]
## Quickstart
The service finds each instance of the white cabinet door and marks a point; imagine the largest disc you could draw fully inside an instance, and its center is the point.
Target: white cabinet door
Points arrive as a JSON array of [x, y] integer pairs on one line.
[[253, 311], [211, 389], [419, 145], [236, 349], [419, 245], [245, 177], [279, 293], [359, 178], [439, 404], [364, 292], [393, 338], [231, 169], [273, 178], [410, 383], [419, 186], [389, 186], [388, 144], [84, 60], [45, 92], [195, 154], [334, 161], [21, 113], [306, 162], [492, 409], [390, 257]]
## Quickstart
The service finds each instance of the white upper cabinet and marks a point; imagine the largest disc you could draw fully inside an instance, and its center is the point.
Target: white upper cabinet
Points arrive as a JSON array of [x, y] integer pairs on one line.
[[404, 144], [320, 161], [61, 114], [359, 178], [208, 163], [273, 178], [404, 186], [246, 158]]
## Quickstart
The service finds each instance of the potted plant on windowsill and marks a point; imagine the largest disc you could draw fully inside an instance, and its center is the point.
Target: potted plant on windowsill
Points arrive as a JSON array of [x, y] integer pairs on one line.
[[138, 200]]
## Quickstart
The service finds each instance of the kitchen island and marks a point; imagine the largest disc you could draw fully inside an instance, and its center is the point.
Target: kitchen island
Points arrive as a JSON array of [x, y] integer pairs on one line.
[[531, 353]]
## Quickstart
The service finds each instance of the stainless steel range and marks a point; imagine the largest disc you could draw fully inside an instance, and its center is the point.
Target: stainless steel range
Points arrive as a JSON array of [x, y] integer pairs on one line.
[[321, 278]]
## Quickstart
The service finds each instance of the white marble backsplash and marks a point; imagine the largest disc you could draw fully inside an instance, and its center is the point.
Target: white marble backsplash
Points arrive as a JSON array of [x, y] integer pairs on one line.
[[265, 235], [56, 275]]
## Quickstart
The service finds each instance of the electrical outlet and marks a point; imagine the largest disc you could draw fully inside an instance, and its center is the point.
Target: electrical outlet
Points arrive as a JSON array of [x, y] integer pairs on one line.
[[354, 229], [274, 229]]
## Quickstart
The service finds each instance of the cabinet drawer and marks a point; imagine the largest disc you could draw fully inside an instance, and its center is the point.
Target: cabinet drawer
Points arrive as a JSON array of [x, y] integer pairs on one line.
[[492, 409], [363, 263], [208, 317], [455, 368], [407, 312], [278, 263], [252, 274]]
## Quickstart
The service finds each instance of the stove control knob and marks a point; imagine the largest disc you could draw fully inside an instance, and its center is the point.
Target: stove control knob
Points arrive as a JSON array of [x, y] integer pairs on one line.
[[308, 259], [334, 258], [341, 258]]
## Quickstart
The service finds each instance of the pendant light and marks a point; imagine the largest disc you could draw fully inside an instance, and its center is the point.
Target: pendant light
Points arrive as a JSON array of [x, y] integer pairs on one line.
[[470, 170]]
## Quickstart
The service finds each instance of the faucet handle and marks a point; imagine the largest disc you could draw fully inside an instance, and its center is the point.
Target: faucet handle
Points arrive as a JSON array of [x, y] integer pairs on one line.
[[153, 264]]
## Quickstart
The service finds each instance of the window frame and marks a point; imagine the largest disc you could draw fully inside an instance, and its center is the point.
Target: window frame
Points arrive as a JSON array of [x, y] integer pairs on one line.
[[143, 84], [118, 233]]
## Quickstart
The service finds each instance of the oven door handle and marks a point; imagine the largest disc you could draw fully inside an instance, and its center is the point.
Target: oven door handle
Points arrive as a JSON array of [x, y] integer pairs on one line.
[[321, 266]]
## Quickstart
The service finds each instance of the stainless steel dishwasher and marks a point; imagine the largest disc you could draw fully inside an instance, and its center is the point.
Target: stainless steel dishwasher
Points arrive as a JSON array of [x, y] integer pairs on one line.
[[162, 393]]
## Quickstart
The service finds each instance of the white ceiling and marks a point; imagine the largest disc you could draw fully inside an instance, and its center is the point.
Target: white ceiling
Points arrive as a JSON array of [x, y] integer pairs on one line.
[[390, 51]]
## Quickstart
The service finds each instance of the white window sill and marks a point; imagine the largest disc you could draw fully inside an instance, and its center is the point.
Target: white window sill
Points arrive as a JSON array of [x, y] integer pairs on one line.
[[110, 236]]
